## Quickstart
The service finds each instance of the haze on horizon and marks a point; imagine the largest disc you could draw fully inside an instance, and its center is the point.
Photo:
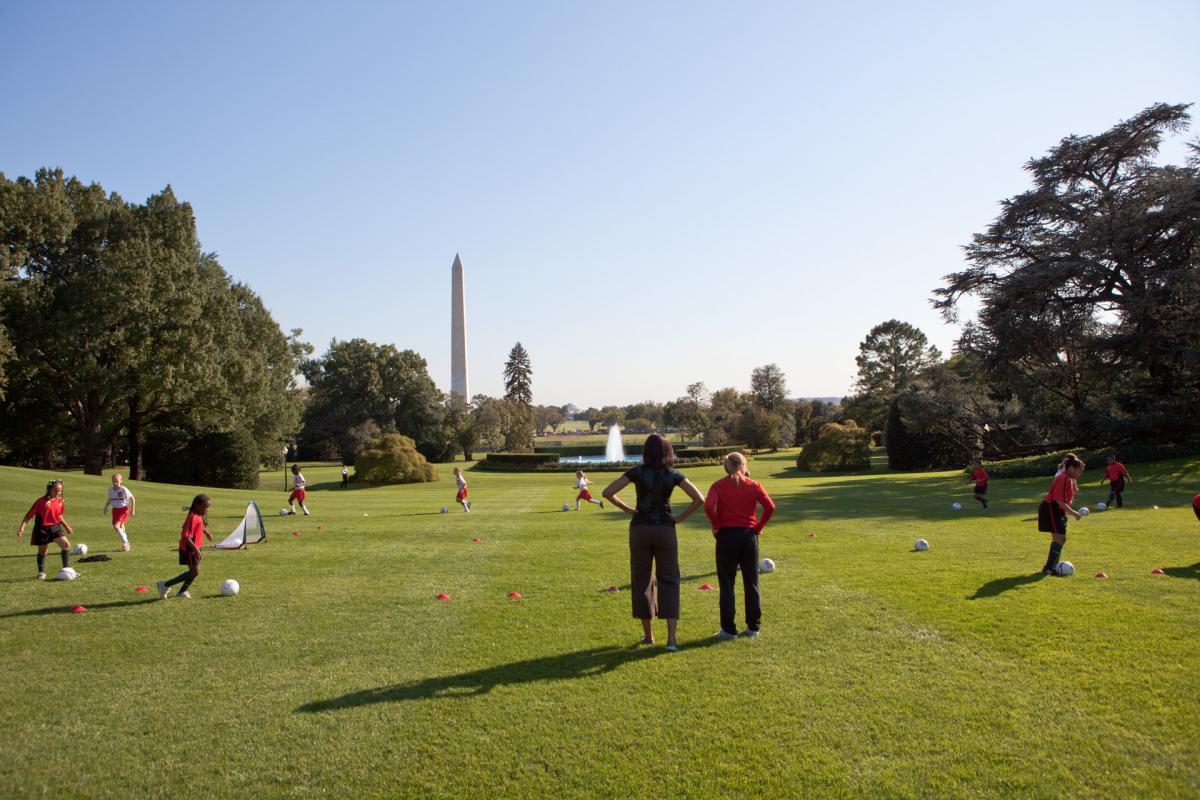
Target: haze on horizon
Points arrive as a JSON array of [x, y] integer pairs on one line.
[[644, 196]]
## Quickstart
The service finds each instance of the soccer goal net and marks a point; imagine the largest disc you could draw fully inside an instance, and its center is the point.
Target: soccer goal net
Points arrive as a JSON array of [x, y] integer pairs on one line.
[[249, 531]]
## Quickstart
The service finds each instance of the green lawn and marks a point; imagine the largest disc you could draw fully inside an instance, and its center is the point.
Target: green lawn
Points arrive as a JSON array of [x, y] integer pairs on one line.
[[880, 671]]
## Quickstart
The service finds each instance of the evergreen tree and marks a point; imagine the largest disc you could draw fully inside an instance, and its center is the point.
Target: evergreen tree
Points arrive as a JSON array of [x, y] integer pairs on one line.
[[518, 390]]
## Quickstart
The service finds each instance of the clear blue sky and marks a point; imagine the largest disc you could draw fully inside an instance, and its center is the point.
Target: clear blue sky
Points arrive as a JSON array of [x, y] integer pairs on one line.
[[644, 194]]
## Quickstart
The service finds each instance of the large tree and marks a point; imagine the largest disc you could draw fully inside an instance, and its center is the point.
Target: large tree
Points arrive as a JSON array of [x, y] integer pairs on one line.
[[1093, 275], [889, 360], [768, 387], [518, 390]]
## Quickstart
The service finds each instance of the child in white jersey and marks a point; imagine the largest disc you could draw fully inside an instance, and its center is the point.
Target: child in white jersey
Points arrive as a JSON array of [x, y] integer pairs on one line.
[[581, 483], [461, 497], [298, 493], [121, 501]]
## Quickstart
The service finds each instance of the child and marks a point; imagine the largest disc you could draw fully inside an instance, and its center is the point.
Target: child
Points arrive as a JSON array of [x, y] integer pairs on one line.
[[980, 476], [581, 483], [461, 497], [1052, 513], [1116, 475], [298, 494], [345, 476], [191, 539], [1062, 465], [47, 513], [122, 502]]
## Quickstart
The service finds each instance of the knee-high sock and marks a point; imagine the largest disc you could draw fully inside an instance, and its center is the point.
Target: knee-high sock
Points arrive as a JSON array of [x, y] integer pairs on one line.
[[180, 578], [66, 557], [191, 576], [41, 559], [1053, 556], [121, 533]]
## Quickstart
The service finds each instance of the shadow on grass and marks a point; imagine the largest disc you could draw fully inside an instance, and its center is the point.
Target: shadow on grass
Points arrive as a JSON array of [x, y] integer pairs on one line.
[[1192, 572], [1000, 585], [566, 666], [40, 612], [625, 587]]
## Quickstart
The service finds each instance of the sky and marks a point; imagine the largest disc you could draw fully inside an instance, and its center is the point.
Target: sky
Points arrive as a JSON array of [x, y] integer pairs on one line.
[[644, 195]]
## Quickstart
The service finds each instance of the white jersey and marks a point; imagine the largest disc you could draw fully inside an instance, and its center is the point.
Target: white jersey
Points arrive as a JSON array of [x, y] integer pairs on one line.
[[298, 481], [119, 497], [582, 483], [462, 482]]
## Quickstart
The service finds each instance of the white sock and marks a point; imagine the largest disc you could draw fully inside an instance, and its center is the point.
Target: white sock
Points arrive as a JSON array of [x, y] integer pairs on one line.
[[121, 533]]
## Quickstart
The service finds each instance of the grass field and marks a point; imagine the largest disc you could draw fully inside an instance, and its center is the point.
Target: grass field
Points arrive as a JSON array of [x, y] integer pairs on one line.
[[880, 671]]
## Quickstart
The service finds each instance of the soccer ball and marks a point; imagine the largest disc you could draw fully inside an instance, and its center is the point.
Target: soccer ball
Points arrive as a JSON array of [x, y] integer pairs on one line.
[[230, 587], [445, 510], [566, 506], [67, 574], [1084, 511], [921, 545], [81, 549], [283, 512], [766, 565], [1064, 568], [1102, 506], [956, 506]]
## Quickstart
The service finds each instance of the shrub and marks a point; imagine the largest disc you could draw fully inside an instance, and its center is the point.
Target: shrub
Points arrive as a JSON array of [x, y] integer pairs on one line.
[[522, 458], [908, 450], [1045, 464], [568, 450], [212, 458], [838, 448], [393, 458], [704, 452]]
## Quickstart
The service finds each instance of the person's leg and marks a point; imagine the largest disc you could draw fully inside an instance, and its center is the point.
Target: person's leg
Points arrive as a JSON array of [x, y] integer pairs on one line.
[[647, 632], [748, 561], [180, 578], [64, 550], [728, 551], [1119, 490], [41, 560], [192, 573], [1057, 540], [666, 570], [672, 624], [641, 578]]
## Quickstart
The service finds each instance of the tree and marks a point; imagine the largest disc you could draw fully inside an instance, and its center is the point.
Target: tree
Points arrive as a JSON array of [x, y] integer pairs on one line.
[[547, 417], [490, 417], [889, 360], [758, 428], [1092, 275], [461, 428], [612, 415], [592, 415], [393, 459], [837, 448], [518, 391], [768, 387]]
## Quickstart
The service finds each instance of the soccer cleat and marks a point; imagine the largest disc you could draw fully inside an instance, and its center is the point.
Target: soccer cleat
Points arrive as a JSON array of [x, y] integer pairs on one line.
[[750, 633], [671, 647], [601, 504], [292, 513], [724, 635], [163, 589], [185, 594], [125, 547], [41, 576]]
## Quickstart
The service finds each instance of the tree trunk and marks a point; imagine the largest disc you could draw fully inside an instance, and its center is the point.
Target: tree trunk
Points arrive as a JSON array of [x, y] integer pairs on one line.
[[93, 440], [135, 439]]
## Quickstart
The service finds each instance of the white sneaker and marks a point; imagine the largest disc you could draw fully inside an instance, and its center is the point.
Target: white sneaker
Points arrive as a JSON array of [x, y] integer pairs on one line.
[[671, 648], [163, 590], [749, 633], [187, 595], [724, 635], [41, 576], [125, 547]]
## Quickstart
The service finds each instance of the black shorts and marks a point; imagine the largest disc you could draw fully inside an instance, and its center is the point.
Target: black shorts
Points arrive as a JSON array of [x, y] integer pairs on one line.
[[189, 559], [981, 488], [45, 535], [1117, 486], [1051, 519]]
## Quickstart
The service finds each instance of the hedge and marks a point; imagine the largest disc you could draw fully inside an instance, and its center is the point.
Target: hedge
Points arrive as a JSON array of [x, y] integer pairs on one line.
[[706, 452], [223, 459], [522, 458], [1045, 465], [392, 458], [586, 449], [505, 466], [839, 448]]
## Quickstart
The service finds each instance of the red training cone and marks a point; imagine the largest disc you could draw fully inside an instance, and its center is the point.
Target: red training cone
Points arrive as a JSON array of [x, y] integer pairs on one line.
[[443, 596], [141, 590], [812, 536], [1101, 575], [476, 539], [612, 589], [706, 587], [78, 609], [515, 595], [1157, 571], [320, 527], [295, 533]]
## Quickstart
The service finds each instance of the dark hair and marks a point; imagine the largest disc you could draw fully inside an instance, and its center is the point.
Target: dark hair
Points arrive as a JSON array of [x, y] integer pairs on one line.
[[1072, 460], [199, 502], [295, 468], [50, 485], [657, 452]]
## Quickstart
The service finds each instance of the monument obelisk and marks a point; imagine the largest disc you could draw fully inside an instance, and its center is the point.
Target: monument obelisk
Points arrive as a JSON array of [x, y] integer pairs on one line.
[[458, 332]]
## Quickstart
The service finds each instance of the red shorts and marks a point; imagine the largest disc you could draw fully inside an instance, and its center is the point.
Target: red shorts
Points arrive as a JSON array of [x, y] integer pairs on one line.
[[119, 515], [584, 494], [297, 495], [462, 495]]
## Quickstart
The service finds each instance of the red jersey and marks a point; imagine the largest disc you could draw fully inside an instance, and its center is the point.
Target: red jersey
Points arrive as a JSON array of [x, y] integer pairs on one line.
[[193, 529], [1196, 502], [733, 505], [1114, 471], [1063, 489], [980, 475], [48, 512]]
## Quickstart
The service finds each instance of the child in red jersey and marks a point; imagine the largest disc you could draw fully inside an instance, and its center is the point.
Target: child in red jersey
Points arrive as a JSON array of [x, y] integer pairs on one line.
[[980, 476], [48, 526], [298, 491], [191, 539], [730, 506], [461, 496], [1052, 513], [581, 483], [1116, 475]]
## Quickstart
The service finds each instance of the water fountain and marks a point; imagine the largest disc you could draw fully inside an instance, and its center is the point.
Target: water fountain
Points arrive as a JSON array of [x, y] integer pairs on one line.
[[614, 451]]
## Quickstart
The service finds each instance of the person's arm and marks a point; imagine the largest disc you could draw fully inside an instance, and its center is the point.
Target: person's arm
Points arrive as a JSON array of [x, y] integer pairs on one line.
[[697, 499], [1128, 477], [132, 503], [610, 494], [107, 503], [710, 507], [21, 530], [70, 531], [768, 507]]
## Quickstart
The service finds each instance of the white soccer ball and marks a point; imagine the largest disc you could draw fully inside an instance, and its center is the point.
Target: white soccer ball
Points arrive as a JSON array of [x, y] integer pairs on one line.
[[67, 574], [956, 506], [1084, 511], [766, 565], [445, 510], [283, 512], [1064, 568], [921, 545], [81, 549], [1102, 506], [566, 507], [230, 587]]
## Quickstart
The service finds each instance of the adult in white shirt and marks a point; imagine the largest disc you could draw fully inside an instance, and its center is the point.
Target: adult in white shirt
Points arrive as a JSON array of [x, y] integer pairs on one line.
[[121, 501]]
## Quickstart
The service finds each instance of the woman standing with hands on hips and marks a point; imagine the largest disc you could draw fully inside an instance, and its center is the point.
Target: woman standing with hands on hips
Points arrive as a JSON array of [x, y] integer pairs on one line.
[[653, 545]]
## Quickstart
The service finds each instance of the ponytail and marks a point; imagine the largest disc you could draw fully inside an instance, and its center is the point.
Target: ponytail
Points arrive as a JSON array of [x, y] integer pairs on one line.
[[735, 467]]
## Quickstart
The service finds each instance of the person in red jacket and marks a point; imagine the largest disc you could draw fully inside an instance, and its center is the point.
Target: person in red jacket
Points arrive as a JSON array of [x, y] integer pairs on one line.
[[1053, 511], [1116, 475], [191, 539], [48, 526], [731, 504], [980, 476]]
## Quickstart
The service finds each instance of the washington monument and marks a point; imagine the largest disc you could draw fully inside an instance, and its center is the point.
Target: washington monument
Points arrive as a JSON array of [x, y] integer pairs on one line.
[[458, 332]]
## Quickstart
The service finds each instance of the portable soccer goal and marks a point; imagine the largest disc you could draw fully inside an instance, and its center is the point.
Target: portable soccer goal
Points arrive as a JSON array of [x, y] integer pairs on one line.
[[249, 531]]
